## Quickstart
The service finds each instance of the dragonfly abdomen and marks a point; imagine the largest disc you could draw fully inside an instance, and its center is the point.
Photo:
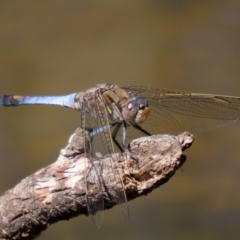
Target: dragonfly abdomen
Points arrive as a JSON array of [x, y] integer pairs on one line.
[[15, 100]]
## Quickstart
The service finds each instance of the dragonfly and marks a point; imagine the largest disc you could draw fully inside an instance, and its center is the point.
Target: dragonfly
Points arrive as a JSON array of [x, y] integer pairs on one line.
[[116, 113]]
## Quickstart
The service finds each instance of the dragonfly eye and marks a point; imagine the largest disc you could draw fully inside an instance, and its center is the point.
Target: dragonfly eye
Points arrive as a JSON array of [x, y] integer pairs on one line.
[[130, 106], [130, 110], [136, 110]]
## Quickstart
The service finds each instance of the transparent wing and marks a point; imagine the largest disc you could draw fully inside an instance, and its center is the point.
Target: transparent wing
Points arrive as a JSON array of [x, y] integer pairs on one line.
[[95, 200], [94, 191], [172, 111], [103, 143]]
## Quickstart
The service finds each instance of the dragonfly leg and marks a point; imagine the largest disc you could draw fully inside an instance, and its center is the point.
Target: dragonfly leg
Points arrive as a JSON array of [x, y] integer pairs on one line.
[[124, 142], [140, 129], [114, 134], [123, 147], [124, 134]]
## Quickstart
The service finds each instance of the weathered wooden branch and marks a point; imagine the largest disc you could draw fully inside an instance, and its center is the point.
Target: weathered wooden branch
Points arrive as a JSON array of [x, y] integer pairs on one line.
[[57, 192]]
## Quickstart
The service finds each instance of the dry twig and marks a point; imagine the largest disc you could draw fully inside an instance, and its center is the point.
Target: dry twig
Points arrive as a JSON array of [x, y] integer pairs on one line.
[[57, 192]]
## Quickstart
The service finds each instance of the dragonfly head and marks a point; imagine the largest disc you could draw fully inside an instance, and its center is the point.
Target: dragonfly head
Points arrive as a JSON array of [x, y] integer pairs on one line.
[[136, 110]]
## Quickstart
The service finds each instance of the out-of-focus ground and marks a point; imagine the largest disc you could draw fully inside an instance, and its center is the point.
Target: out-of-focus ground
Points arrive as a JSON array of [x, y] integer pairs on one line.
[[59, 47]]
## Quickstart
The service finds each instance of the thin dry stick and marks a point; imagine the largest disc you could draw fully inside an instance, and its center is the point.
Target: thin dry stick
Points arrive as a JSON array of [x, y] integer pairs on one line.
[[57, 192]]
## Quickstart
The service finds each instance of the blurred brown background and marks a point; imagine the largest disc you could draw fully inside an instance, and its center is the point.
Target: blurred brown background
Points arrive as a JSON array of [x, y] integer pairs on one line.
[[59, 47]]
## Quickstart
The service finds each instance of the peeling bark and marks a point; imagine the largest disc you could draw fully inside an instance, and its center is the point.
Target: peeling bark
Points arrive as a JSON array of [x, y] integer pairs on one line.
[[57, 192]]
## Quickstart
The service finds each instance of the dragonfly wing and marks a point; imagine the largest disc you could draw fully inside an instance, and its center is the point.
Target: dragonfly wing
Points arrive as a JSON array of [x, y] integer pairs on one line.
[[114, 180], [94, 192], [95, 200], [172, 111]]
